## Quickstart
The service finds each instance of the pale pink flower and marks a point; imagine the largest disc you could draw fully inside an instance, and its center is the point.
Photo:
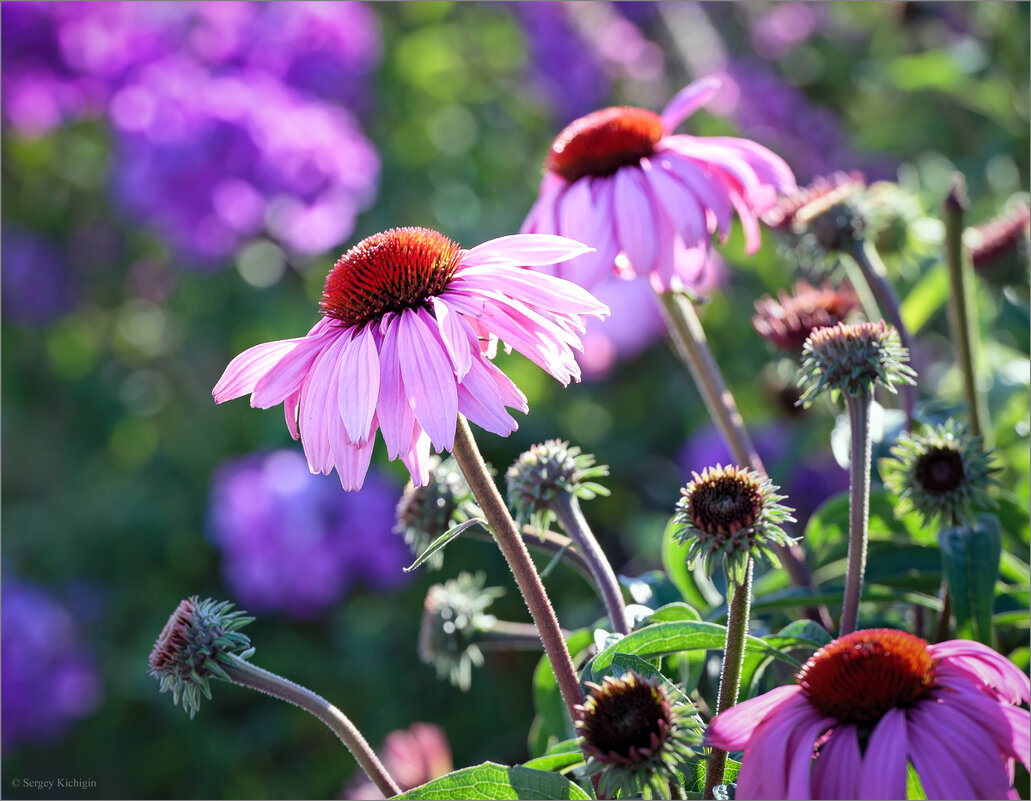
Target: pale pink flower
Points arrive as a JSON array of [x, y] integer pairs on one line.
[[649, 200], [868, 703], [410, 323]]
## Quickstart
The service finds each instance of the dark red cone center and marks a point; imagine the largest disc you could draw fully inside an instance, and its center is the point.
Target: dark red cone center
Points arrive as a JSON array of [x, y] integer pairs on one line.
[[604, 141], [725, 502], [624, 718], [940, 470], [395, 270], [859, 677]]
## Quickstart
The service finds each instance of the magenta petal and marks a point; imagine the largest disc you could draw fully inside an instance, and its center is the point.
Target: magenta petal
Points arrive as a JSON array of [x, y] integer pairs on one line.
[[575, 214], [317, 412], [710, 190], [454, 335], [990, 667], [768, 166], [532, 288], [358, 389], [417, 458], [290, 413], [541, 218], [286, 376], [396, 420], [935, 765], [688, 100], [428, 378], [885, 759], [525, 250], [247, 369], [634, 219], [479, 399], [731, 729], [838, 770], [679, 203]]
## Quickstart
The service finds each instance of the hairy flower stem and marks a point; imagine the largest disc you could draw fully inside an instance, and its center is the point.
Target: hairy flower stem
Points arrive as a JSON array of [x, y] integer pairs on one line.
[[876, 277], [686, 331], [248, 675], [506, 533], [567, 509], [859, 508], [730, 675], [962, 313]]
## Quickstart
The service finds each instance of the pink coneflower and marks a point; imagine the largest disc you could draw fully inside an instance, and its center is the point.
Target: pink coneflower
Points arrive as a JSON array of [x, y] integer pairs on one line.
[[868, 703], [649, 200], [410, 323]]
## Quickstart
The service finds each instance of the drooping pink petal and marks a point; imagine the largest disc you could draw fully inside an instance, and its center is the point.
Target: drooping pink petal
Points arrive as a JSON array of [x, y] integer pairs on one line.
[[634, 219], [767, 165], [974, 751], [884, 764], [479, 399], [525, 250], [720, 157], [358, 384], [679, 203], [703, 183], [351, 459], [417, 457], [534, 289], [838, 770], [454, 334], [688, 100], [285, 377], [428, 377], [290, 413], [396, 419], [246, 370], [749, 223], [541, 218], [800, 755], [990, 667], [939, 774], [731, 729], [319, 408], [1008, 726]]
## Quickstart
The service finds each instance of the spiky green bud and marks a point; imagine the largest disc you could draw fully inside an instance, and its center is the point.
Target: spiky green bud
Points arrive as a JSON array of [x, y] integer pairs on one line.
[[546, 472], [943, 473], [197, 640], [851, 360], [728, 515]]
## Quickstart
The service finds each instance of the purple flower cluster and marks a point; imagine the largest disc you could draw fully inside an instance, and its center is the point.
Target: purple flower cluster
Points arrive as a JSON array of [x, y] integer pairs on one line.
[[228, 117], [294, 542], [49, 678]]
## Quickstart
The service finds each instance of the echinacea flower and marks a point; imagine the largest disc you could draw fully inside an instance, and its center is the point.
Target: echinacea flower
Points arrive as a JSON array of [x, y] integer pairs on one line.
[[869, 703], [647, 199], [788, 321], [635, 737], [410, 322]]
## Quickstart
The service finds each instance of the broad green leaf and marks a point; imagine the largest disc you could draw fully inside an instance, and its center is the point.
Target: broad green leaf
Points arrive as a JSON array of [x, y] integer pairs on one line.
[[663, 639], [674, 562], [492, 781], [443, 540], [559, 758], [929, 295], [828, 525], [672, 612], [914, 787], [970, 558], [729, 774]]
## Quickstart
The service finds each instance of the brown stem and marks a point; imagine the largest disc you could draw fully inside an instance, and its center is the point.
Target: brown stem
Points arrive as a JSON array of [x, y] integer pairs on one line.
[[248, 675], [469, 459], [859, 509]]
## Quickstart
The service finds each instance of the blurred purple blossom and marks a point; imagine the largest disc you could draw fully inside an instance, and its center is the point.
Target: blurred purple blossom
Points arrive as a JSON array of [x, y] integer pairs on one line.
[[295, 542], [210, 162], [807, 478], [566, 69], [781, 26], [49, 677], [37, 285]]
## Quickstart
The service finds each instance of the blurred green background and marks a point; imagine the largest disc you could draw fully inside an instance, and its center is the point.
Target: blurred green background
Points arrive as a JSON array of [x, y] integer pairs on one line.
[[110, 437]]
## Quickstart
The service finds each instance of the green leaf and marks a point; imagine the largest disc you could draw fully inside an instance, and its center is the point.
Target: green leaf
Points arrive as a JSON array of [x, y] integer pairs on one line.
[[674, 562], [827, 529], [443, 540], [929, 295], [672, 612], [914, 787], [729, 774], [493, 781], [798, 635], [559, 758], [970, 558], [555, 724], [663, 639]]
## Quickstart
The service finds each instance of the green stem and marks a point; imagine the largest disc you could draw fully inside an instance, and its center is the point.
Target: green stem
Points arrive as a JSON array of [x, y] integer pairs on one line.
[[859, 508], [941, 632], [730, 676], [865, 255], [469, 459], [691, 344], [962, 313], [248, 675], [567, 509]]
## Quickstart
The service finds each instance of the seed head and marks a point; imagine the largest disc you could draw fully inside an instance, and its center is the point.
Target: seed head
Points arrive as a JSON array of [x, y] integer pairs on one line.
[[635, 737], [728, 515], [198, 638], [545, 472], [824, 192], [424, 513], [943, 473], [454, 613], [788, 321], [851, 359], [999, 249]]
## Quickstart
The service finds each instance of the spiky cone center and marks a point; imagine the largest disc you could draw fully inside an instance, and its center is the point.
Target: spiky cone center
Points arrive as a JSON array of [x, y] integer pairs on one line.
[[852, 358], [821, 194], [388, 272], [940, 470], [722, 500], [788, 321], [603, 141], [625, 721], [859, 677]]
